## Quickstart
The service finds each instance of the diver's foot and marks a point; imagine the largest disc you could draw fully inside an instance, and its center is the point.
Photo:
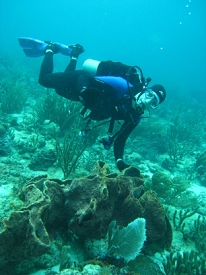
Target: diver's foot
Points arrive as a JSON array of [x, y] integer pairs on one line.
[[52, 47], [121, 165], [131, 171], [77, 49]]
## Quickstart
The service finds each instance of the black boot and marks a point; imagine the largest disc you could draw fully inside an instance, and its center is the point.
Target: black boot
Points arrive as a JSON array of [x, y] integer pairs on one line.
[[77, 49], [54, 48]]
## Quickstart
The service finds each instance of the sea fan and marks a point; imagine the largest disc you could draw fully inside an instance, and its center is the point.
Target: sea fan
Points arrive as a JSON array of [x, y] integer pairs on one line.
[[128, 241]]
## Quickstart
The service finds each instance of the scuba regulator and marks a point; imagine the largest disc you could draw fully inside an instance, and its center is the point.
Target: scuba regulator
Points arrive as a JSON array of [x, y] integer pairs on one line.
[[135, 76]]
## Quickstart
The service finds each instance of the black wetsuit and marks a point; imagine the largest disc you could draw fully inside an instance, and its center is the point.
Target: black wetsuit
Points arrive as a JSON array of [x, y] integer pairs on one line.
[[109, 84]]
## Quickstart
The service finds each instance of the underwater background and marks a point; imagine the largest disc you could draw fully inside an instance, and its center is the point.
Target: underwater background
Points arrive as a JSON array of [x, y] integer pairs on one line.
[[165, 38], [42, 157]]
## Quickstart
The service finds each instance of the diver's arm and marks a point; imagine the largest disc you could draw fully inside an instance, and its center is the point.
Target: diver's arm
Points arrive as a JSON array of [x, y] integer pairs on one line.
[[121, 137], [120, 140]]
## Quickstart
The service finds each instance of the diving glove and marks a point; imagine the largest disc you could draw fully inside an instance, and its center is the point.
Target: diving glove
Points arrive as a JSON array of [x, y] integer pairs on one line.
[[106, 141]]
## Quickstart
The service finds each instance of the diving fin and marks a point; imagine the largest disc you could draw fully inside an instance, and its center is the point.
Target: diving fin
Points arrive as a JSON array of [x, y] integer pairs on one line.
[[35, 48]]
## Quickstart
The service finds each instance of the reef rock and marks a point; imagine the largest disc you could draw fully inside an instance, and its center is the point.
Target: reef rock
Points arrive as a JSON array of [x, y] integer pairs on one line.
[[24, 233]]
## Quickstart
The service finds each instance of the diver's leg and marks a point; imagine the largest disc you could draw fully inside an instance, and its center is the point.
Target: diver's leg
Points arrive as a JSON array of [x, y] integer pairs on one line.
[[67, 84], [77, 49], [46, 69], [72, 65], [72, 84]]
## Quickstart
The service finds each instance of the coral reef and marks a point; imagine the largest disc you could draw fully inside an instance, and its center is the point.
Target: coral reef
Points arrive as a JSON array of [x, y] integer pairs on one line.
[[187, 263], [5, 144], [94, 201], [84, 205], [14, 96], [42, 159], [2, 131], [178, 222], [174, 191], [69, 152], [180, 139], [58, 110], [167, 187], [145, 266], [198, 234], [200, 167]]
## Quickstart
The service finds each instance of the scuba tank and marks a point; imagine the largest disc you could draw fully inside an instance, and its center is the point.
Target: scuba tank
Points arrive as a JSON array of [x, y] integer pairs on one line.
[[91, 65]]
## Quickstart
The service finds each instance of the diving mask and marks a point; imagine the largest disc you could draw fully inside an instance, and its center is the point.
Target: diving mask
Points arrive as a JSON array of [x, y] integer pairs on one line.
[[146, 100]]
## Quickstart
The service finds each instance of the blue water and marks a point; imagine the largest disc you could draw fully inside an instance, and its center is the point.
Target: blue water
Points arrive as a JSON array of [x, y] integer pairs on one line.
[[167, 39]]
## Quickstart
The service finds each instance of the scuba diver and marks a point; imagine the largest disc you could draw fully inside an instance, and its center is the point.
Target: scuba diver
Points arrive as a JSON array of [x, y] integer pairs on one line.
[[108, 90]]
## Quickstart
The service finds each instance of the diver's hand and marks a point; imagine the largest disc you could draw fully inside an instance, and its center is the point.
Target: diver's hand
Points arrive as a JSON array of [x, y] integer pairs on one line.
[[106, 141]]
